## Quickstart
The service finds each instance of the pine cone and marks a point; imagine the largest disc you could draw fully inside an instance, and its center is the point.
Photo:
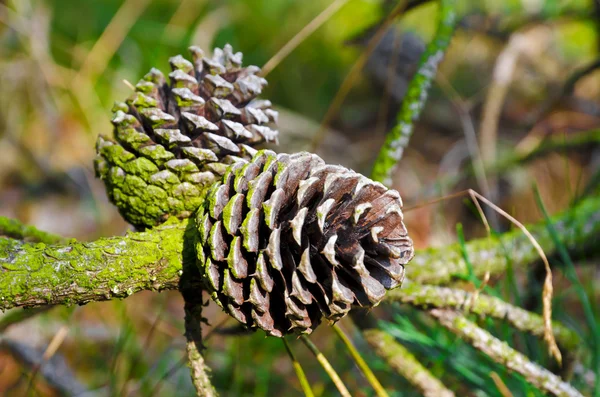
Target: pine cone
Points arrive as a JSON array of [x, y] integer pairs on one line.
[[285, 240], [172, 141]]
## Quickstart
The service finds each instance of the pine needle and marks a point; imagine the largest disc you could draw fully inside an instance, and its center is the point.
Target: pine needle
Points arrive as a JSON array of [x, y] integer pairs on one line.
[[304, 383], [301, 36], [360, 362], [337, 381]]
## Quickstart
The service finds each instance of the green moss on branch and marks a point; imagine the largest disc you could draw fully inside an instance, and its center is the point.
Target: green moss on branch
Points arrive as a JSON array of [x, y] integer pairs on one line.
[[416, 95], [502, 353], [14, 229], [77, 273], [578, 227], [450, 298]]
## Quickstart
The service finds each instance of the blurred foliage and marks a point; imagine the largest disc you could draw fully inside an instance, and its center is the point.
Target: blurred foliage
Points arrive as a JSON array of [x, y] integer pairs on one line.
[[51, 112]]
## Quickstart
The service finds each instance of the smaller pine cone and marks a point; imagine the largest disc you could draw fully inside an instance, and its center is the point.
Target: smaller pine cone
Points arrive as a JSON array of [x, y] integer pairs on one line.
[[173, 140], [285, 240]]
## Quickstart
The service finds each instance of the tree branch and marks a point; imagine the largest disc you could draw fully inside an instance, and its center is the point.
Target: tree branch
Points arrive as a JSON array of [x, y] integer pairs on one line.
[[14, 229], [502, 353], [484, 305], [78, 273], [116, 267], [487, 306], [578, 228], [416, 96], [190, 286], [193, 333]]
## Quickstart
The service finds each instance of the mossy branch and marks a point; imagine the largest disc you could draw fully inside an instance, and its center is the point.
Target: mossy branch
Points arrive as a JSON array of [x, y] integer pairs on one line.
[[199, 371], [483, 305], [416, 95], [578, 228], [14, 229], [502, 353], [37, 274], [190, 286]]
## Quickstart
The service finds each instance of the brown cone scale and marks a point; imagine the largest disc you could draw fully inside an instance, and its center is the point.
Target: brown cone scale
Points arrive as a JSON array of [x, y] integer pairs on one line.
[[285, 240]]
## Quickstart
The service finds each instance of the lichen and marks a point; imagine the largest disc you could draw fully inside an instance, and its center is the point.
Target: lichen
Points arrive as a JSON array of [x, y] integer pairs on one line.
[[14, 229], [78, 272]]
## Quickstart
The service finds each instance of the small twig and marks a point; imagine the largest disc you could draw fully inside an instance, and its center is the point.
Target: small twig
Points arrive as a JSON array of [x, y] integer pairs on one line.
[[326, 366], [502, 353], [360, 362], [193, 333], [547, 289], [304, 383], [306, 31], [405, 364], [416, 96], [190, 286], [12, 228], [484, 305], [570, 272]]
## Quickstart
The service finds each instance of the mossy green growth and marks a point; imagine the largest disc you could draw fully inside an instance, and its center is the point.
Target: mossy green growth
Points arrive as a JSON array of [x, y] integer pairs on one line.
[[16, 230], [486, 306], [577, 226], [76, 273], [416, 96], [148, 184]]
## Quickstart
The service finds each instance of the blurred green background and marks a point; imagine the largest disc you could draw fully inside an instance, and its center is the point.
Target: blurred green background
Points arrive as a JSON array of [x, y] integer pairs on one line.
[[64, 62]]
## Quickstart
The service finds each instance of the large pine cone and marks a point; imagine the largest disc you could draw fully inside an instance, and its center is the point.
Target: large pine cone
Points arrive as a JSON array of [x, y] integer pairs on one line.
[[172, 141], [285, 240]]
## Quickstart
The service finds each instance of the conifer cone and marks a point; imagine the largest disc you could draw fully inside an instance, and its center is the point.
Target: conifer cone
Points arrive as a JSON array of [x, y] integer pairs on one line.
[[285, 240], [173, 140]]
